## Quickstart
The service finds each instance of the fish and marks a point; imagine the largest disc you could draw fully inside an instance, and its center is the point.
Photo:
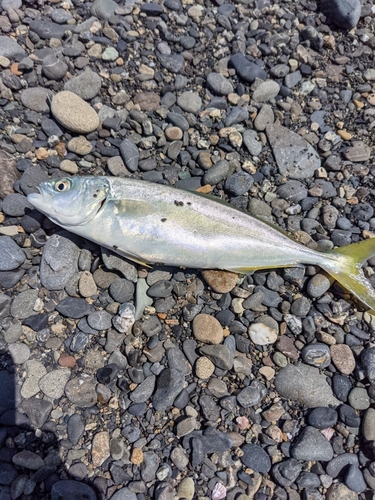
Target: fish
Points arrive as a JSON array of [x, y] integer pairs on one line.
[[151, 223]]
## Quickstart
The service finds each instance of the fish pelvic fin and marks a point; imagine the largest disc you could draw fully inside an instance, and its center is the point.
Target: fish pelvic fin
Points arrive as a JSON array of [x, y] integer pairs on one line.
[[347, 270]]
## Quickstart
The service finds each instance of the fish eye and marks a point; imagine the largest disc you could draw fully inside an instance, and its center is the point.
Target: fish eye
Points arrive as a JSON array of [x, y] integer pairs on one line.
[[62, 185]]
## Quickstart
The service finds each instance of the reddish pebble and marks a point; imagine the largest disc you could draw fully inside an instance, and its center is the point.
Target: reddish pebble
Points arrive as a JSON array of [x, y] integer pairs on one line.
[[67, 361]]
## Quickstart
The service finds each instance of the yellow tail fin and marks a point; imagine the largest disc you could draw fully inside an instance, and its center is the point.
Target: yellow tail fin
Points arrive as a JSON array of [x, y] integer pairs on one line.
[[347, 270]]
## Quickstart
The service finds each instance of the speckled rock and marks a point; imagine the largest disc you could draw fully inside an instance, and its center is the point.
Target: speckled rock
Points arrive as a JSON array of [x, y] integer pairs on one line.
[[74, 113]]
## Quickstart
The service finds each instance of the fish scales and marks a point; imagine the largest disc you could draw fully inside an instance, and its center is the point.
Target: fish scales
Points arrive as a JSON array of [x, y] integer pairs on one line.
[[153, 223]]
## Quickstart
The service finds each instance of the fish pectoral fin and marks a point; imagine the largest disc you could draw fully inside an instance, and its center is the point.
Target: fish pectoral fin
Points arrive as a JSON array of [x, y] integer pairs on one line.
[[133, 208], [245, 270]]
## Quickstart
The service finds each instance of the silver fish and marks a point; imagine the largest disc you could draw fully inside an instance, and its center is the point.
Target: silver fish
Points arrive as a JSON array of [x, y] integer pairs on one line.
[[152, 223]]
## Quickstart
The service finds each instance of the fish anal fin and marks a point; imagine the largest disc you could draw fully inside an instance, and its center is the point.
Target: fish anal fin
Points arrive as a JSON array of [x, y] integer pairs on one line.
[[244, 270]]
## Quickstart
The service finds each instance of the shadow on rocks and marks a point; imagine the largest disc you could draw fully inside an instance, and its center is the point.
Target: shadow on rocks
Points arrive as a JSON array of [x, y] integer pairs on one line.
[[32, 457]]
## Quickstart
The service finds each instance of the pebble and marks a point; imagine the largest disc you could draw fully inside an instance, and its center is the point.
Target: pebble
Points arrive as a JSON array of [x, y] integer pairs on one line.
[[219, 84], [204, 368], [264, 331], [318, 285], [344, 14], [322, 417], [220, 281], [339, 491], [189, 102], [186, 488], [256, 458], [304, 384], [81, 390], [36, 99], [74, 113], [168, 385], [266, 91], [19, 353], [245, 69], [207, 329], [368, 362], [59, 262], [317, 354], [12, 255], [343, 358], [358, 398], [86, 85], [52, 384], [69, 489], [311, 445], [295, 157], [34, 372], [250, 139], [368, 427]]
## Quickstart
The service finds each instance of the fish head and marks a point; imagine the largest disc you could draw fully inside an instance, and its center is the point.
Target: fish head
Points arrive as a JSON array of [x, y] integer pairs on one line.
[[71, 201]]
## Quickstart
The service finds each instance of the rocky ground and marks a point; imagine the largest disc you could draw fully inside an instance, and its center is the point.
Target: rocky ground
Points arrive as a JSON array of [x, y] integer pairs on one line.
[[223, 386]]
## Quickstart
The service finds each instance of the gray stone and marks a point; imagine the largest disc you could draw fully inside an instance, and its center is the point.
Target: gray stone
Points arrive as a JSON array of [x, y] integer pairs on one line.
[[293, 191], [130, 154], [172, 62], [14, 205], [54, 68], [266, 91], [72, 307], [47, 30], [368, 424], [31, 178], [37, 410], [236, 115], [113, 262], [343, 13], [216, 173], [168, 385], [250, 139], [19, 353], [34, 372], [86, 85], [354, 479], [317, 354], [9, 48], [220, 355], [144, 390], [256, 458], [368, 362], [264, 118], [76, 428], [219, 84], [103, 9], [311, 445], [189, 102], [246, 69], [294, 156], [81, 390], [11, 254], [72, 490], [28, 459], [52, 384], [59, 261], [305, 385], [36, 98], [23, 304], [100, 320]]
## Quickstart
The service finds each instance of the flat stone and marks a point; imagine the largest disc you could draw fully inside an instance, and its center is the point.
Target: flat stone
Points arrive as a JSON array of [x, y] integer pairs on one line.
[[220, 355], [19, 353], [38, 410], [34, 372], [28, 459], [23, 304], [220, 281], [74, 113], [246, 69], [147, 101], [130, 154], [52, 384], [168, 385], [9, 174], [294, 156], [219, 84], [359, 152], [305, 385], [368, 424]]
